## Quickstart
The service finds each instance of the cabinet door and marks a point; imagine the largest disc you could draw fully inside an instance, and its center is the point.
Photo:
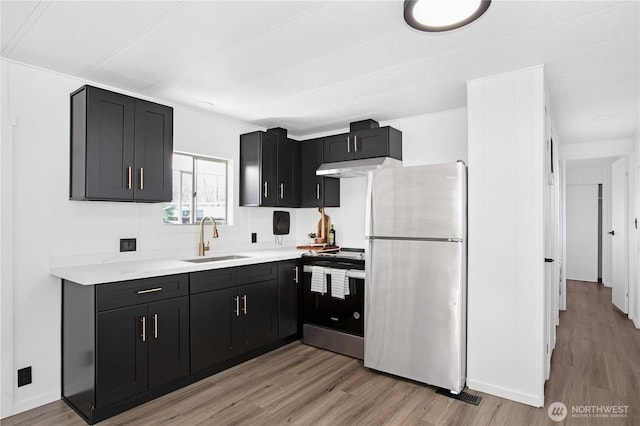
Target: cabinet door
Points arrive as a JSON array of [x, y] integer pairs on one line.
[[290, 278], [371, 143], [338, 148], [109, 145], [121, 355], [168, 340], [311, 191], [259, 313], [213, 317], [287, 168], [269, 169], [153, 151]]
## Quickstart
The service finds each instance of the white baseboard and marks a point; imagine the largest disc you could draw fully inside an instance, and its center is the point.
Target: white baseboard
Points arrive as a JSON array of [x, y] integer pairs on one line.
[[37, 401], [635, 322], [524, 398]]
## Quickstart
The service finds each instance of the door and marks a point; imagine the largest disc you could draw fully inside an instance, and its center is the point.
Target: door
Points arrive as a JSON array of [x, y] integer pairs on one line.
[[338, 148], [290, 277], [618, 235], [371, 143], [110, 145], [415, 311], [153, 151], [121, 359], [582, 232], [168, 340], [212, 314], [259, 314]]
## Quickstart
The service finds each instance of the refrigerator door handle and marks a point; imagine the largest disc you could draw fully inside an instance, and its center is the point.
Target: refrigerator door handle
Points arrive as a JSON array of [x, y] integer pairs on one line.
[[368, 218]]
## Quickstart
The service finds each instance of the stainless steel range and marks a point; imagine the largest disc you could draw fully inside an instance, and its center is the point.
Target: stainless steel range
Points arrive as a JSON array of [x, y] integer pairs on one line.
[[333, 301]]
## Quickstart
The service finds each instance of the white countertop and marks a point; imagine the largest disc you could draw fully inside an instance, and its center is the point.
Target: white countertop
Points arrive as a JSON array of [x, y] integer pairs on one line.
[[121, 271]]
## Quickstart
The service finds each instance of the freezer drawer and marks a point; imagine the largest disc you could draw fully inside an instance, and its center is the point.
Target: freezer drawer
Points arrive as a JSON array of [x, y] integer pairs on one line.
[[416, 311]]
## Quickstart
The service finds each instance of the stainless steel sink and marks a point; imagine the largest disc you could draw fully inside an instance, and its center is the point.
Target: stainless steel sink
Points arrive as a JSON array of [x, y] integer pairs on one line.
[[215, 258]]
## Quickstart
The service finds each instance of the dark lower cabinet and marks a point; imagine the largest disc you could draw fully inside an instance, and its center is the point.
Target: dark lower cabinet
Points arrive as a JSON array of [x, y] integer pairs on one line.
[[121, 355], [212, 313], [229, 322], [125, 343], [290, 278]]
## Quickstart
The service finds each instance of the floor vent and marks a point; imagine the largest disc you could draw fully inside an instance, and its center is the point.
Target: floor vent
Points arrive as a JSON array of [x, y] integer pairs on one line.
[[462, 396]]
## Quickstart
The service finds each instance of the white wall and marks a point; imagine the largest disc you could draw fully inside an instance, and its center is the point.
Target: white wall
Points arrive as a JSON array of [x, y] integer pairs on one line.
[[506, 287], [582, 232], [48, 228], [426, 139]]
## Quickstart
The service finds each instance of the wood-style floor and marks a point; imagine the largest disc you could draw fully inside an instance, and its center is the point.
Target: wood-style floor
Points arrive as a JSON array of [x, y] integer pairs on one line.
[[596, 362]]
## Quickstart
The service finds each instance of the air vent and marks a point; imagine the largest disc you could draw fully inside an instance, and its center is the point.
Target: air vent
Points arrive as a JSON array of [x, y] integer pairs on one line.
[[462, 396]]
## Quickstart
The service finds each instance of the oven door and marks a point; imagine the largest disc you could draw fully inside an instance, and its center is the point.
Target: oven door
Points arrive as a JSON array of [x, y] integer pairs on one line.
[[323, 310]]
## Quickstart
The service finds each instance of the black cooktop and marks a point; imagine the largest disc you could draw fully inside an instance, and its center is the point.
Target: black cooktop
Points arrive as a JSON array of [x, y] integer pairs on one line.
[[352, 257]]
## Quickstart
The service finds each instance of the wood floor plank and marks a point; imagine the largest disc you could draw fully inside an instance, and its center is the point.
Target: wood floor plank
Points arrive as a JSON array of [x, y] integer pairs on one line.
[[596, 362]]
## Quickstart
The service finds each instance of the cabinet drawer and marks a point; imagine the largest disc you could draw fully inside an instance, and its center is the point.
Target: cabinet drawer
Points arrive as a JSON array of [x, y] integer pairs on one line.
[[127, 293], [214, 279], [258, 272]]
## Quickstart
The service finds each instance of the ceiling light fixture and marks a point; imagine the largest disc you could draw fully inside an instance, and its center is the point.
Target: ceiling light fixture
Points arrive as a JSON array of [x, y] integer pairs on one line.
[[443, 15], [605, 117], [205, 104]]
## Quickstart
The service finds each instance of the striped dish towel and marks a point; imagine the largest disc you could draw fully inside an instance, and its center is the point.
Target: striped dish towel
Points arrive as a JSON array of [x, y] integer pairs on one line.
[[339, 283], [318, 280]]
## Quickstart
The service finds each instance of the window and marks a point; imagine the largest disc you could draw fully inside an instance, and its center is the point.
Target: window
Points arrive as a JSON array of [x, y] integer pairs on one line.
[[199, 190]]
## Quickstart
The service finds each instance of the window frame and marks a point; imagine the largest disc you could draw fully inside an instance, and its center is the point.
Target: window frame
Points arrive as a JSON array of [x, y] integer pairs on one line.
[[193, 201]]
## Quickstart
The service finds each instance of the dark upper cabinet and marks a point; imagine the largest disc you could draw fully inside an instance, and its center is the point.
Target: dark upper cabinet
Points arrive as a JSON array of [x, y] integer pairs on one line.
[[290, 281], [378, 142], [269, 169], [258, 162], [316, 191], [121, 147]]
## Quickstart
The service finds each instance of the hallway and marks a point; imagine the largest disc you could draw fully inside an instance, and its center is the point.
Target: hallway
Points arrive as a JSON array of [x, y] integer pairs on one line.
[[596, 363], [597, 357]]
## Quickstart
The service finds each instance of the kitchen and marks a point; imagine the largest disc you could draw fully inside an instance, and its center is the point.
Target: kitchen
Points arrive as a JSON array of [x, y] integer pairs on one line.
[[45, 228]]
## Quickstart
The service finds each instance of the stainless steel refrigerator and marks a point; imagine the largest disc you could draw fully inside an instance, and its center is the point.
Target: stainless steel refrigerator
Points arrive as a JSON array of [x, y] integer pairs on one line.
[[415, 298]]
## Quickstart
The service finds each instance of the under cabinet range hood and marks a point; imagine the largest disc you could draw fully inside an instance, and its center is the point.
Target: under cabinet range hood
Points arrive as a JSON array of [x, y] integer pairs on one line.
[[356, 168]]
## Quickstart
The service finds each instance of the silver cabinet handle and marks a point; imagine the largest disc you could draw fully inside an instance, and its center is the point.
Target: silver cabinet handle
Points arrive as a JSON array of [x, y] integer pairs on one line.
[[155, 326], [141, 178], [151, 290], [348, 144], [296, 277], [129, 171], [281, 191], [244, 304], [317, 191], [265, 189], [355, 143], [144, 329], [237, 311]]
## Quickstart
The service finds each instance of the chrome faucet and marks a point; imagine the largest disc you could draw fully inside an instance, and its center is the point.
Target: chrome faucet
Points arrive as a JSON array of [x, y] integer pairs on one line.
[[201, 247]]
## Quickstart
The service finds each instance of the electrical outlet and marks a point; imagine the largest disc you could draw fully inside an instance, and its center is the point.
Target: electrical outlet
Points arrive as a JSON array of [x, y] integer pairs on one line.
[[127, 244], [254, 237], [24, 376]]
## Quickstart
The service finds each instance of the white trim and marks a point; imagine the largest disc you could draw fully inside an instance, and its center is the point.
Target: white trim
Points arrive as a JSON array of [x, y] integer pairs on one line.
[[524, 398]]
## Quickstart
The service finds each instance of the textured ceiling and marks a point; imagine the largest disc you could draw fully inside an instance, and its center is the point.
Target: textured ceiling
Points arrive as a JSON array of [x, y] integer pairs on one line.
[[314, 66]]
